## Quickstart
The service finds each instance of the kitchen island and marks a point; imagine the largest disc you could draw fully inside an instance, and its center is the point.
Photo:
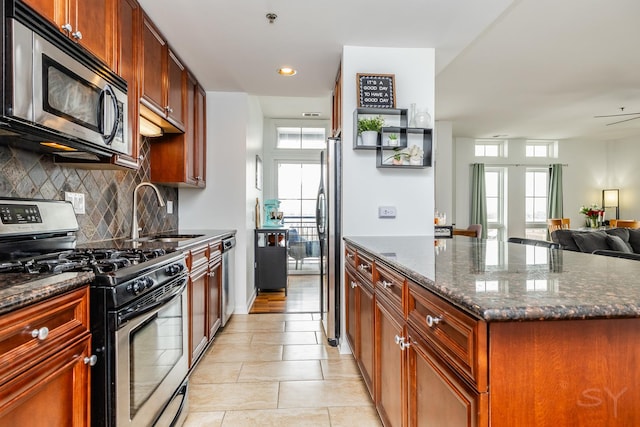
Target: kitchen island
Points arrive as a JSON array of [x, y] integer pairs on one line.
[[473, 332]]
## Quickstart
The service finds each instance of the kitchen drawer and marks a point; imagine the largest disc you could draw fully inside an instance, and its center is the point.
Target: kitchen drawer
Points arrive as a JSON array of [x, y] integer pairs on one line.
[[198, 256], [58, 320], [364, 267], [390, 285], [350, 256], [458, 338]]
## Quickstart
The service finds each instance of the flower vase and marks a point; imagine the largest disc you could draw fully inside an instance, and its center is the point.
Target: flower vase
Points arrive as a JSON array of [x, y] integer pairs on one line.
[[593, 221]]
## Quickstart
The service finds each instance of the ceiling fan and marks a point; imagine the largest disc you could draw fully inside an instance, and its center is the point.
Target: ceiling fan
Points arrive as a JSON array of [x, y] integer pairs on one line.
[[621, 114]]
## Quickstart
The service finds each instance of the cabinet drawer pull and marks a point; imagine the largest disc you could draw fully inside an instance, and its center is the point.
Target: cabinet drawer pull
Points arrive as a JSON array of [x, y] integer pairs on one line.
[[399, 339], [386, 284], [91, 361], [67, 28], [404, 345], [350, 256], [353, 285], [77, 35], [364, 267], [41, 333], [433, 321]]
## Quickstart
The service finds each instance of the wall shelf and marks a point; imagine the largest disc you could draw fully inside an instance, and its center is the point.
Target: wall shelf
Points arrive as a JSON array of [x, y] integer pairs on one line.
[[393, 118], [413, 136]]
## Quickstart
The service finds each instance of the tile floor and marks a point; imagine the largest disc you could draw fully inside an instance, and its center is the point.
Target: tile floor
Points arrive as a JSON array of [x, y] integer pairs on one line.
[[276, 370]]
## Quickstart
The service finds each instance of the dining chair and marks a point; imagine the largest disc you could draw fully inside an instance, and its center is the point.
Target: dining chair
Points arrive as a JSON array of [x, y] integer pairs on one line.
[[554, 224], [474, 230], [566, 223], [624, 223], [613, 223]]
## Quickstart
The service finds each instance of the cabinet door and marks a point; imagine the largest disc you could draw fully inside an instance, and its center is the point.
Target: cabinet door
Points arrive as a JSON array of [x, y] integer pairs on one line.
[[198, 332], [176, 90], [390, 366], [126, 65], [366, 335], [154, 62], [200, 137], [351, 312], [437, 396], [54, 11], [53, 393], [190, 132], [214, 309], [94, 26]]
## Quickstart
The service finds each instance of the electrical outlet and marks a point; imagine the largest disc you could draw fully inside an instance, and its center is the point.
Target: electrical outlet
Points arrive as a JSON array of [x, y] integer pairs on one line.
[[77, 200], [386, 211], [169, 207]]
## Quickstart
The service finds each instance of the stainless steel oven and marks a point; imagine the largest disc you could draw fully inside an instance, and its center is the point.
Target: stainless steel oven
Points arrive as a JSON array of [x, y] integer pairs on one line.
[[152, 357]]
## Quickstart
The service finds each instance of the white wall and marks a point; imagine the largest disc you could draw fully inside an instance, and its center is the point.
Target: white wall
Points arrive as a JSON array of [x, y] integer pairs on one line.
[[623, 173], [443, 167], [365, 187], [234, 137]]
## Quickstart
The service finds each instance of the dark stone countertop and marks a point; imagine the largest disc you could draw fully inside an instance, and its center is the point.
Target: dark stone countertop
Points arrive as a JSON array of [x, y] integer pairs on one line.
[[200, 235], [499, 281], [19, 290]]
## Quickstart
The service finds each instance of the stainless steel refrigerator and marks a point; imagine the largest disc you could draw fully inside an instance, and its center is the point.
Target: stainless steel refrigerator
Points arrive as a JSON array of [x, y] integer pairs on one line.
[[329, 222]]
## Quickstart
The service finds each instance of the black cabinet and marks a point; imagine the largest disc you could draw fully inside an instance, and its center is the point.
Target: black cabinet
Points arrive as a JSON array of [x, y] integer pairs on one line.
[[271, 258]]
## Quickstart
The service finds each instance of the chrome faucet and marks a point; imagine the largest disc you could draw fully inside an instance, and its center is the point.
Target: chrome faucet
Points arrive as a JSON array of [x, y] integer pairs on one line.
[[135, 231]]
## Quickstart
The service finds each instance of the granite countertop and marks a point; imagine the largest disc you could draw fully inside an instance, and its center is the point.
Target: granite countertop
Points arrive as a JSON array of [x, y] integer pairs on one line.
[[18, 290], [499, 281], [200, 235]]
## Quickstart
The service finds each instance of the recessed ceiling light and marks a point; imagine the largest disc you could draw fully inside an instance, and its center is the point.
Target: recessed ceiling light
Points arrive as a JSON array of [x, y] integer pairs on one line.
[[286, 71]]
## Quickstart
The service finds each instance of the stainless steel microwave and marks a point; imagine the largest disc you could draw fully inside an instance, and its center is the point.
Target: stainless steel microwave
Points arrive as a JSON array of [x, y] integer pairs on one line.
[[57, 100]]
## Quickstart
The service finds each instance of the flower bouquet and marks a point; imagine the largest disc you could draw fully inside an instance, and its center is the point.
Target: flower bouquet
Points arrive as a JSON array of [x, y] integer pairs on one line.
[[594, 215]]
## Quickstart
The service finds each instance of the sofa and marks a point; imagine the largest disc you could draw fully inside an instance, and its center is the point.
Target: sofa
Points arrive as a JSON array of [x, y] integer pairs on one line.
[[616, 242]]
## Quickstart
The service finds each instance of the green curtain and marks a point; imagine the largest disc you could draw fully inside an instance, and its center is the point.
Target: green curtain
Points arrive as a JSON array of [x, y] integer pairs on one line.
[[478, 197], [554, 196]]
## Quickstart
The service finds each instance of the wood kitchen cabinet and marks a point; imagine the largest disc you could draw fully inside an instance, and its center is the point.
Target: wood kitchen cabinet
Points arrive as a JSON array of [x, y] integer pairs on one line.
[[336, 110], [164, 81], [197, 291], [45, 379], [214, 309], [179, 159], [90, 23]]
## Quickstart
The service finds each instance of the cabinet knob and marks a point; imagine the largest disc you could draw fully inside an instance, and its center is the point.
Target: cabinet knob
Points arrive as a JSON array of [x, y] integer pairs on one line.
[[404, 345], [364, 267], [77, 35], [212, 274], [399, 339], [350, 256], [41, 333], [66, 28], [91, 361], [433, 321], [353, 285], [168, 109], [386, 284]]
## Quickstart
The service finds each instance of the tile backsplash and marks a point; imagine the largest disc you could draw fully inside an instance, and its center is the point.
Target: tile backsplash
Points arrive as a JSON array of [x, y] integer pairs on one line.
[[108, 193]]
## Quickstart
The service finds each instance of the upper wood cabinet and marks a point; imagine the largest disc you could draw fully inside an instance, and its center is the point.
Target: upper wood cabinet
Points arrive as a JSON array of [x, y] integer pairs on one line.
[[90, 23], [179, 159], [126, 64], [164, 79], [336, 111]]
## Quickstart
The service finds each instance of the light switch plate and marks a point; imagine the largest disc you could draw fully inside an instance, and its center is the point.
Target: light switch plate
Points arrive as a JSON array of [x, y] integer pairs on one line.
[[169, 207], [386, 211], [77, 200]]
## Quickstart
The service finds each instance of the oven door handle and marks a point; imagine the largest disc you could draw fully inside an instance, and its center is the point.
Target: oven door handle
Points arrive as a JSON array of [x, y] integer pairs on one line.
[[138, 309]]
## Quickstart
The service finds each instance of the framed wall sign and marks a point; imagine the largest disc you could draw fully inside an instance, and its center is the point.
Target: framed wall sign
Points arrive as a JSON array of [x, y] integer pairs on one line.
[[376, 90]]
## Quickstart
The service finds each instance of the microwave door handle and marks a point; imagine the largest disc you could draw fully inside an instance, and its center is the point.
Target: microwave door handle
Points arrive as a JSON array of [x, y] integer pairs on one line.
[[108, 138]]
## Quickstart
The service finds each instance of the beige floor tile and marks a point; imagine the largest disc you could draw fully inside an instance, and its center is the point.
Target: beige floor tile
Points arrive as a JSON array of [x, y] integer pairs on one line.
[[307, 417], [305, 394], [233, 338], [273, 317], [298, 325], [285, 338], [290, 370], [306, 352], [340, 369], [354, 416], [204, 419], [208, 372], [245, 352], [232, 396], [255, 325]]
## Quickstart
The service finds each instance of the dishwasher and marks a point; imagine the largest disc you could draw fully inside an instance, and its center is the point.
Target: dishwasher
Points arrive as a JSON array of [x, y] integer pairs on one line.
[[228, 278]]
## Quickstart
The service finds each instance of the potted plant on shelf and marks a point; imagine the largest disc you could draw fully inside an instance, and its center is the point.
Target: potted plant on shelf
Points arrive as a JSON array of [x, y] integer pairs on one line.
[[368, 129], [392, 140], [413, 154]]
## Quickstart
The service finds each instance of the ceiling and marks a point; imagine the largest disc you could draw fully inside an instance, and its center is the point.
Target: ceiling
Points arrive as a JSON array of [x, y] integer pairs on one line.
[[515, 68]]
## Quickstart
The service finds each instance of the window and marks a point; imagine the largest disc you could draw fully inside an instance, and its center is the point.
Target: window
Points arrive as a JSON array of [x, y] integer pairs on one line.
[[301, 138], [495, 185], [541, 149], [536, 184], [490, 148]]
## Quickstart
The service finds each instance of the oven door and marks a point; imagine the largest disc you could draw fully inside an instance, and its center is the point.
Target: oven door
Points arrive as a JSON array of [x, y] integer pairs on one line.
[[151, 358]]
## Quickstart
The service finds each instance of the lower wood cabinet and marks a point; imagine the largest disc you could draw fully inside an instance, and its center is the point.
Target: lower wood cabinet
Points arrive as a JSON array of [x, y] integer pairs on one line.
[[214, 309], [45, 380]]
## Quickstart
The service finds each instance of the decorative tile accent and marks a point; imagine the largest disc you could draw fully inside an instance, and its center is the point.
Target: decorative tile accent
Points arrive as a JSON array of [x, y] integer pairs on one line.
[[108, 193]]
